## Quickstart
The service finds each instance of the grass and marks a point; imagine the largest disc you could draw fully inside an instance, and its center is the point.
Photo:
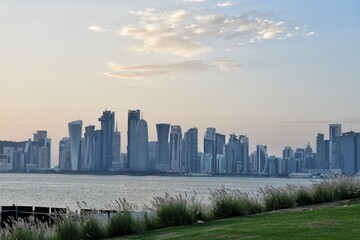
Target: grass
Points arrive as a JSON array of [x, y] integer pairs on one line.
[[330, 222]]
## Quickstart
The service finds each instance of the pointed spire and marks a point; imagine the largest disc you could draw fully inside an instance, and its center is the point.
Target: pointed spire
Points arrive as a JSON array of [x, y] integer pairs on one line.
[[116, 127]]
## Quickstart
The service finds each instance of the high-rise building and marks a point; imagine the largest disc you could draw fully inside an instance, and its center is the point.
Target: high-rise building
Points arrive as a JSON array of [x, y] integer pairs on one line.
[[163, 163], [209, 147], [288, 153], [98, 152], [219, 149], [320, 151], [232, 153], [153, 150], [244, 153], [175, 148], [107, 121], [309, 158], [89, 147], [64, 154], [75, 144], [350, 152], [261, 159], [42, 141], [190, 151], [116, 145], [133, 119], [334, 131], [142, 148]]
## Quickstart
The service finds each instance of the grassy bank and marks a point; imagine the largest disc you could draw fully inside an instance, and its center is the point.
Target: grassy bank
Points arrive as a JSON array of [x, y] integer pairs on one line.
[[170, 211], [331, 221]]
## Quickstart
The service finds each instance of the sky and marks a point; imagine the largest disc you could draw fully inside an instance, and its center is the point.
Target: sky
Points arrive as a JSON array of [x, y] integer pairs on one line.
[[277, 71]]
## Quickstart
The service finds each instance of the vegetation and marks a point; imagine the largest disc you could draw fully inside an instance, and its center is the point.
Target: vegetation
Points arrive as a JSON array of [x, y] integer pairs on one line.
[[169, 211], [329, 222]]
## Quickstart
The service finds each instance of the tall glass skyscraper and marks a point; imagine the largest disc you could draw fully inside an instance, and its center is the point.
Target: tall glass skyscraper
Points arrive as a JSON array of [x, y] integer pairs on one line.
[[244, 153], [209, 147], [190, 151], [142, 147], [175, 148], [261, 159], [133, 119], [89, 145], [107, 121], [75, 143], [163, 163]]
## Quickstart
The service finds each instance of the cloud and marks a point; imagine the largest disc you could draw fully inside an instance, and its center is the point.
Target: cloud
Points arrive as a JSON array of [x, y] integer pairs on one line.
[[95, 28], [227, 4], [310, 33], [183, 32], [151, 70]]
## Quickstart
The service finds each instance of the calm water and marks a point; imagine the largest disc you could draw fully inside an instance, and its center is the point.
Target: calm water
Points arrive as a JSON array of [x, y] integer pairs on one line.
[[55, 190]]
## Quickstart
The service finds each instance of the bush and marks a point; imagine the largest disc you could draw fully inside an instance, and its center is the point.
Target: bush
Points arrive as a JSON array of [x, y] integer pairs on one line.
[[122, 224], [230, 203], [278, 198]]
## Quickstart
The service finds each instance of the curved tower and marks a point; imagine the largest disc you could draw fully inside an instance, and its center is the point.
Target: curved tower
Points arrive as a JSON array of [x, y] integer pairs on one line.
[[142, 147], [163, 163], [133, 119], [75, 143]]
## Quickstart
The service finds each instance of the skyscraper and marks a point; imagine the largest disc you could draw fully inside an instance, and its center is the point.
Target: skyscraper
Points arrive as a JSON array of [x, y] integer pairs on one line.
[[43, 151], [64, 154], [133, 119], [163, 163], [244, 153], [175, 148], [75, 143], [190, 151], [89, 145], [209, 147], [261, 159], [335, 146], [153, 150], [219, 148], [142, 148], [116, 145], [350, 152], [334, 131], [320, 151], [107, 121]]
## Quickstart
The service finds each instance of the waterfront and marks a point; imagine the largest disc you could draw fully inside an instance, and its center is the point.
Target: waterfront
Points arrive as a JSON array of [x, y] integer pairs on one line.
[[60, 190]]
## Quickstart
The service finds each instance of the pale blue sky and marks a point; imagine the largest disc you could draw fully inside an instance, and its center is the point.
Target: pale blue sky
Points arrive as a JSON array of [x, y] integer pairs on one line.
[[280, 73]]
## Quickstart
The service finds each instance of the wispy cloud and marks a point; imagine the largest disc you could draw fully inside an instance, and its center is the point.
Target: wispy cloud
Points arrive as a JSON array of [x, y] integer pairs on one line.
[[183, 32], [227, 4], [95, 28], [151, 70]]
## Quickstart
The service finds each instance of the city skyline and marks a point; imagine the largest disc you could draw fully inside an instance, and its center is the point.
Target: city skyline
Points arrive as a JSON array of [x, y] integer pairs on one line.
[[278, 72]]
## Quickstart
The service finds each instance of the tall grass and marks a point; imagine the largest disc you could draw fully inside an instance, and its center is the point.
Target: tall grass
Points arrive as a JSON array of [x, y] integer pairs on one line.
[[227, 203], [177, 210], [278, 198]]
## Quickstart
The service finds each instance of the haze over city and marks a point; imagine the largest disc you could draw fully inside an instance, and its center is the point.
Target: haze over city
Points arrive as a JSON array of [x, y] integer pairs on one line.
[[277, 71]]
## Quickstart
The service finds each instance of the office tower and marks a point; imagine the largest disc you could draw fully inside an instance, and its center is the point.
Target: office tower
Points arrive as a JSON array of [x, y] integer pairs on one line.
[[42, 141], [107, 121], [153, 150], [334, 146], [261, 159], [221, 163], [162, 130], [219, 148], [334, 131], [288, 153], [133, 119], [299, 159], [350, 152], [244, 153], [309, 158], [64, 154], [89, 147], [320, 151], [175, 148], [209, 147], [116, 145], [190, 151], [29, 159], [232, 153], [142, 148], [98, 152], [75, 144]]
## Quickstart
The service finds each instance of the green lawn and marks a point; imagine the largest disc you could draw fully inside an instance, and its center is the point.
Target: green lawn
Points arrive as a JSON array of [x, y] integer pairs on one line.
[[335, 222]]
